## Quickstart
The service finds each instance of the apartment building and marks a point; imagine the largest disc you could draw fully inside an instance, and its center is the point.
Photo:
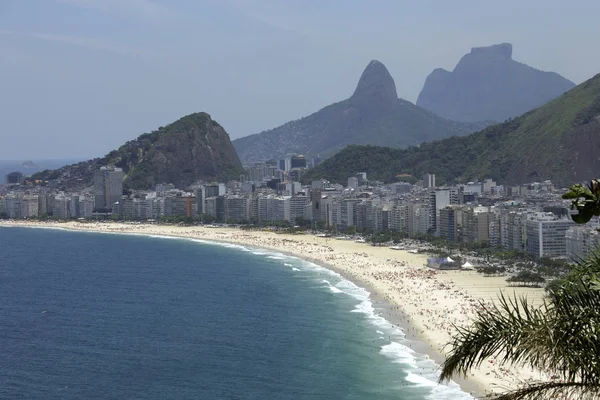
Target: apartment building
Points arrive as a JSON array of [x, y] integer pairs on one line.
[[580, 240], [546, 235]]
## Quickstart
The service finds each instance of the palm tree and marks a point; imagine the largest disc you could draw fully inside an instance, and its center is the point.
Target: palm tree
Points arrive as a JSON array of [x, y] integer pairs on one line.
[[561, 337]]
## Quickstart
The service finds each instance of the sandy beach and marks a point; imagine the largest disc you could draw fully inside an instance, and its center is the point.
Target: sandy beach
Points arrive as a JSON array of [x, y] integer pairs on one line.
[[426, 302]]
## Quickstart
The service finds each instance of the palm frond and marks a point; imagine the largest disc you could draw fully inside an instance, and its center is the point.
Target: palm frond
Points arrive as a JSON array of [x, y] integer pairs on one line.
[[548, 390], [562, 336], [510, 328]]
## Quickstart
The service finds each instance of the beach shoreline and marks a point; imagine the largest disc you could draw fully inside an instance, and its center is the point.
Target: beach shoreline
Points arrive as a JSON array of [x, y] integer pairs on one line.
[[424, 302]]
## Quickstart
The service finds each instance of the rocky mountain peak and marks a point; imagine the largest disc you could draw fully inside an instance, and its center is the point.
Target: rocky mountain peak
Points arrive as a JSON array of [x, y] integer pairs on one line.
[[488, 85], [503, 50], [376, 83]]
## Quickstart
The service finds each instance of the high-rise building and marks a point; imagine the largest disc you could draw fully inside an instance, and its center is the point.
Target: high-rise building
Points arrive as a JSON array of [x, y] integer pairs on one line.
[[237, 208], [298, 161], [108, 187], [580, 240], [214, 190], [42, 205], [546, 235], [13, 206], [352, 182], [61, 207], [448, 223], [439, 199], [15, 178], [285, 164], [297, 205], [476, 225], [429, 180], [362, 178], [200, 199]]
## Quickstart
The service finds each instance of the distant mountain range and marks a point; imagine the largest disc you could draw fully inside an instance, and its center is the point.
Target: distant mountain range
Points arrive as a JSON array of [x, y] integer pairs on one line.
[[373, 115], [192, 148], [488, 85], [29, 167], [558, 141]]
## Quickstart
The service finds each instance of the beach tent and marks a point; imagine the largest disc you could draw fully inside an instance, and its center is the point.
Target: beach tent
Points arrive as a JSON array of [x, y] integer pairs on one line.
[[449, 260], [467, 265]]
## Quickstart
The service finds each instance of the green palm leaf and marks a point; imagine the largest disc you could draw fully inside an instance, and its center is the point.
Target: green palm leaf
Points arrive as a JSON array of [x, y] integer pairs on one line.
[[562, 336]]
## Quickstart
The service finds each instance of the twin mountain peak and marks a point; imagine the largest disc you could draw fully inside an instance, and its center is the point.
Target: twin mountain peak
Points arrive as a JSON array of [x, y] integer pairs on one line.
[[486, 86]]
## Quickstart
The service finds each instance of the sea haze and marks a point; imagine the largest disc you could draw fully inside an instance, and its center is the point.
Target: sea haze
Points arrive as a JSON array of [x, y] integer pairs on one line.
[[7, 166], [105, 316]]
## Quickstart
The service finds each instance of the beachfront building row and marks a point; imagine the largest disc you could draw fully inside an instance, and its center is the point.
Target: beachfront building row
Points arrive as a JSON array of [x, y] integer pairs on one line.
[[59, 205], [471, 213]]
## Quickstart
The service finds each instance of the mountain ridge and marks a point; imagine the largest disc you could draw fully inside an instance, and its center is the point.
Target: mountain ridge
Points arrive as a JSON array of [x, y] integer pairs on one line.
[[487, 84], [372, 115], [559, 141]]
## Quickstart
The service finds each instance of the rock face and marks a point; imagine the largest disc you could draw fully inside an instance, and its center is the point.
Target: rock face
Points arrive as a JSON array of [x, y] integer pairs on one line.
[[192, 148], [488, 85], [376, 86], [373, 115]]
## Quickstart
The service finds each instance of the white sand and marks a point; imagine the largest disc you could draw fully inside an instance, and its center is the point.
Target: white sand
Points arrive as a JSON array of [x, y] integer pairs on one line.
[[431, 300]]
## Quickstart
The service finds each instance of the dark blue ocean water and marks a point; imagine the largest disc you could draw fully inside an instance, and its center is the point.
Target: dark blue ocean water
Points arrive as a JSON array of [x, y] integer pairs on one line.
[[98, 316]]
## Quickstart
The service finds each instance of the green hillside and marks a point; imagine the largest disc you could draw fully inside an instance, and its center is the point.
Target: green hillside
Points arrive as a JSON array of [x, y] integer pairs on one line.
[[558, 141], [192, 148]]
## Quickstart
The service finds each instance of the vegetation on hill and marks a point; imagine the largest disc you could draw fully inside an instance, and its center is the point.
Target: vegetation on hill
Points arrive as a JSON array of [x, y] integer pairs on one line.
[[192, 148], [558, 141]]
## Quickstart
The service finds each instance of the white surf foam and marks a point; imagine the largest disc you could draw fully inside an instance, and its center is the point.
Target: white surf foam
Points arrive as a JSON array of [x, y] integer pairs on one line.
[[220, 244], [162, 237], [331, 287], [399, 354], [295, 269], [287, 265], [422, 373]]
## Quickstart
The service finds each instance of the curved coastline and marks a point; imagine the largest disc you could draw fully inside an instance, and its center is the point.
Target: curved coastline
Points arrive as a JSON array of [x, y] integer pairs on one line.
[[387, 275]]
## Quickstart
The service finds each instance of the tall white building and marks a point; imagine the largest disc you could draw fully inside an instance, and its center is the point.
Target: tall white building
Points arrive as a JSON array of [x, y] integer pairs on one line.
[[580, 240], [13, 206], [429, 180], [61, 207], [546, 235]]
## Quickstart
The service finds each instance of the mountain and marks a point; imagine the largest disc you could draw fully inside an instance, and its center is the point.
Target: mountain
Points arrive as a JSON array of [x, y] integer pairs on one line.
[[558, 141], [192, 148], [27, 168], [373, 115], [488, 85]]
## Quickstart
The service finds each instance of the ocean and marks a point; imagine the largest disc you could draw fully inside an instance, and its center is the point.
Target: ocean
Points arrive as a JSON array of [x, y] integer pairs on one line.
[[108, 316]]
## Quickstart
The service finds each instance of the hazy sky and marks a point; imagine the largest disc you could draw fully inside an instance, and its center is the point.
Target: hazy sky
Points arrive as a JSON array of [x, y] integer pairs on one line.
[[80, 77]]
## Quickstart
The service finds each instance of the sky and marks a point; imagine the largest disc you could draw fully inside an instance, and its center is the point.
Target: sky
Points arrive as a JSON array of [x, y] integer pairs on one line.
[[79, 78]]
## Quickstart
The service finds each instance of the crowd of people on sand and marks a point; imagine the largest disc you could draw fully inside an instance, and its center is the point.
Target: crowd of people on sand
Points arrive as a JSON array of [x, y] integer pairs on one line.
[[415, 297]]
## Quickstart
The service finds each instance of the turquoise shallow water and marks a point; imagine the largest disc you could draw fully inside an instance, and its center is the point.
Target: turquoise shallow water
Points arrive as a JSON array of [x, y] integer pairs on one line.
[[101, 316]]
